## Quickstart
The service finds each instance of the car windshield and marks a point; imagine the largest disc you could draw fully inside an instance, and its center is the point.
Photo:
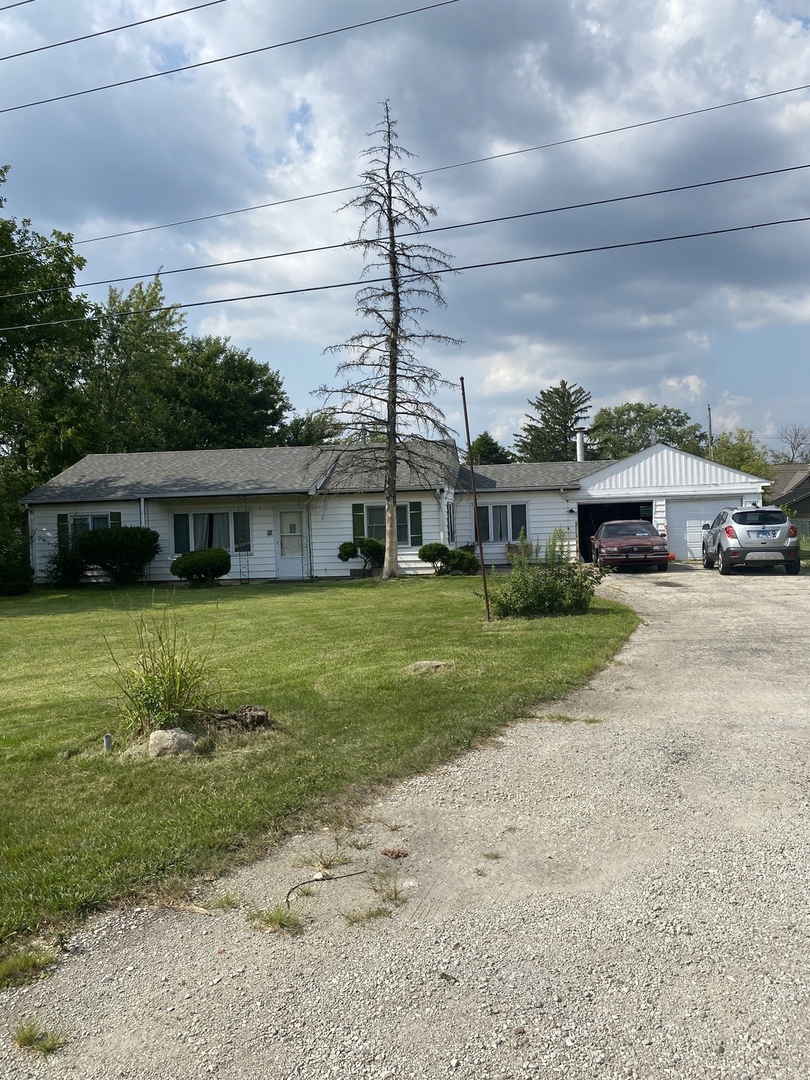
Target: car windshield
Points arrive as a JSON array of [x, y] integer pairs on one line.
[[759, 517], [628, 528]]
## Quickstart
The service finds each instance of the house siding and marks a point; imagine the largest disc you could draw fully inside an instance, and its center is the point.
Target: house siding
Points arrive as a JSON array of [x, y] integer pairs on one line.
[[545, 512], [332, 526]]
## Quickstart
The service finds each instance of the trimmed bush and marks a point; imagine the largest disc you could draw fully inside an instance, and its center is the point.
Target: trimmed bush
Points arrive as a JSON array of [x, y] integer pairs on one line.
[[462, 562], [123, 554], [372, 551], [347, 551], [202, 567], [436, 554], [16, 573]]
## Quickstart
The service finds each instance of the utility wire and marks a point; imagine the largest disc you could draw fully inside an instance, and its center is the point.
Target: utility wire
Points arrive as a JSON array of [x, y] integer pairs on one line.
[[223, 59], [19, 3], [112, 30], [426, 172], [364, 282], [421, 232]]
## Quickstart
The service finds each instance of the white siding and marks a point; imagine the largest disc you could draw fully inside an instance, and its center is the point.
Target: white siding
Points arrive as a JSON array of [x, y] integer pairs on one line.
[[43, 525], [664, 471], [332, 526], [545, 512]]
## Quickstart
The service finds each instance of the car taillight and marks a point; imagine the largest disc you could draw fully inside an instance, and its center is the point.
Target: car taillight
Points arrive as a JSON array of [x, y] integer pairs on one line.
[[730, 532], [793, 531]]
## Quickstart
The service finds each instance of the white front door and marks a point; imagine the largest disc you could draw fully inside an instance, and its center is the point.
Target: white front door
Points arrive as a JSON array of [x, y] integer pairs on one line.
[[290, 549]]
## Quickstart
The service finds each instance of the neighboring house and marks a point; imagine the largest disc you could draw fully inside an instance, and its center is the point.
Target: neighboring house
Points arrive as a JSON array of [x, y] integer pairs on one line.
[[282, 512], [791, 488]]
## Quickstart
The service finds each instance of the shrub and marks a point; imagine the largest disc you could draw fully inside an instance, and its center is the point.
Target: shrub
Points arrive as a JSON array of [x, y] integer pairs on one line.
[[347, 551], [202, 567], [123, 554], [16, 573], [372, 551], [543, 584], [436, 554], [462, 562], [65, 566]]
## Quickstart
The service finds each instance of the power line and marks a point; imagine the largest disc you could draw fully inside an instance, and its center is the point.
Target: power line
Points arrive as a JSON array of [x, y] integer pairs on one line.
[[428, 172], [112, 30], [422, 232], [223, 59], [19, 3], [451, 270]]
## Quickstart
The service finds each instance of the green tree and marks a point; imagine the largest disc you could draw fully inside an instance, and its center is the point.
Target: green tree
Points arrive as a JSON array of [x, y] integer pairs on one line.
[[625, 429], [384, 381], [550, 434], [218, 396], [739, 450], [139, 338], [44, 337], [486, 451], [316, 428]]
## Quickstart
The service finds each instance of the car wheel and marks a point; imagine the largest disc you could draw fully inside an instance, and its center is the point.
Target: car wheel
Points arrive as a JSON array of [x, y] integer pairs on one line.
[[723, 563], [708, 562], [663, 566], [793, 567]]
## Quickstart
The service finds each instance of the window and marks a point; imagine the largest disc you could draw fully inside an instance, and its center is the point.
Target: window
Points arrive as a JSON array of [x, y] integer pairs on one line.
[[370, 521], [451, 523], [501, 523], [85, 522], [194, 532]]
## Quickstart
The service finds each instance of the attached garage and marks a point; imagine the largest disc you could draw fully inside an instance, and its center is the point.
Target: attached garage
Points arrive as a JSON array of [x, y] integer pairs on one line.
[[677, 491]]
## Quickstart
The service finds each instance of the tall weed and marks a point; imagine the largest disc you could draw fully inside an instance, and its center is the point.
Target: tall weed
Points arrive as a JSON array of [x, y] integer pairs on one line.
[[543, 582], [168, 684]]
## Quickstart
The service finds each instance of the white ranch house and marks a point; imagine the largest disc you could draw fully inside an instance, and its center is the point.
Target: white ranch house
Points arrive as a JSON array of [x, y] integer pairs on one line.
[[282, 512]]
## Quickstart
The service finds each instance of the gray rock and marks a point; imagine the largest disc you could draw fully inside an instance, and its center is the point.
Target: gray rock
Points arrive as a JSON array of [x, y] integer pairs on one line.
[[164, 743]]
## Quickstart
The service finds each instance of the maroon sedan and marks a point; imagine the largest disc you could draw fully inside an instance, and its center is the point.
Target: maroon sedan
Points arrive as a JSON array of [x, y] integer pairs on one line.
[[629, 543]]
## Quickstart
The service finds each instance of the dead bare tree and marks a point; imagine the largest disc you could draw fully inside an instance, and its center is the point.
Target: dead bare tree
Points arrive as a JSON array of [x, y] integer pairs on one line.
[[387, 397]]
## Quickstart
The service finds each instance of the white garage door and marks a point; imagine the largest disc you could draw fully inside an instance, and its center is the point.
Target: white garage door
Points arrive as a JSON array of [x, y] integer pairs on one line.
[[685, 518]]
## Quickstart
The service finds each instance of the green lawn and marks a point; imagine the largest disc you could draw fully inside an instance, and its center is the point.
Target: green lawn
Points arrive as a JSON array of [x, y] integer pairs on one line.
[[79, 827]]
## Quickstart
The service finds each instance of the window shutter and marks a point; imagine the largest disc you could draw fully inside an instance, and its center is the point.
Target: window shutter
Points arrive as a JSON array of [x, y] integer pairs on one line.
[[62, 531], [115, 519], [358, 521], [416, 524]]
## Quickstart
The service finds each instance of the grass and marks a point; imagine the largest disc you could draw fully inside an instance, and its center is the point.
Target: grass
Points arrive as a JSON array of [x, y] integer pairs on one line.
[[81, 827], [278, 919], [31, 1036]]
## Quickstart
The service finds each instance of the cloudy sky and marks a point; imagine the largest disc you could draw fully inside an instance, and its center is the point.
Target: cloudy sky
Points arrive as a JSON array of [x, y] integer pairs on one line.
[[569, 102]]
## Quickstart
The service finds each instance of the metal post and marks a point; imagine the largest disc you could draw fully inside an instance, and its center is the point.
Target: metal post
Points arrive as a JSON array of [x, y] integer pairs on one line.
[[475, 501]]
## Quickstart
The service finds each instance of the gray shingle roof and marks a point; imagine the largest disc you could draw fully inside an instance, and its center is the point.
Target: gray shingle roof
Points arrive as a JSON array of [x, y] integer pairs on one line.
[[101, 477], [277, 470], [529, 476]]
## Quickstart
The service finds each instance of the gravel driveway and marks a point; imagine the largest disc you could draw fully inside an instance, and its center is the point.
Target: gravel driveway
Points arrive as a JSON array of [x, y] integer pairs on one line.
[[625, 898]]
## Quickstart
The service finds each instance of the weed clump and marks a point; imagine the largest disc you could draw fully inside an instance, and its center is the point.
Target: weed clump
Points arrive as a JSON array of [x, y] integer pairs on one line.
[[543, 584]]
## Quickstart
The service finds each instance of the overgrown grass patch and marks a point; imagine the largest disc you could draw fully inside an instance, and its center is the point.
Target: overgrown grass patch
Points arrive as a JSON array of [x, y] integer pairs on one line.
[[81, 827]]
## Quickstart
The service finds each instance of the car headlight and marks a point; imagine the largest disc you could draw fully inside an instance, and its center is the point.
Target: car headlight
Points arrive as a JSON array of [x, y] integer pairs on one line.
[[611, 550], [659, 547]]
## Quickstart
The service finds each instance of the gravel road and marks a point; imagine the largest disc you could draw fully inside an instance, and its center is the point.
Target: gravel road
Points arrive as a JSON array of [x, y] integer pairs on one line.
[[584, 900]]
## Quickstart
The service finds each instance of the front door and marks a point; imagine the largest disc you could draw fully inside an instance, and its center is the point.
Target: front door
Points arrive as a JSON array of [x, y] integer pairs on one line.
[[290, 552]]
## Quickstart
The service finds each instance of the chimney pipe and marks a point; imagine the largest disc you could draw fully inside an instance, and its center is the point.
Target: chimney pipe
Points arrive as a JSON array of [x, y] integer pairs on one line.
[[580, 434]]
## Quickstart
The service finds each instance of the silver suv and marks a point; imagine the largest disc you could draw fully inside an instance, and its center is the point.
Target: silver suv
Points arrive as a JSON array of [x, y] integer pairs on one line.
[[751, 536]]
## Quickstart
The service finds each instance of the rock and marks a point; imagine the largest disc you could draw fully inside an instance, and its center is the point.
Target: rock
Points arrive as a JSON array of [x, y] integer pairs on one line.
[[428, 667], [165, 742]]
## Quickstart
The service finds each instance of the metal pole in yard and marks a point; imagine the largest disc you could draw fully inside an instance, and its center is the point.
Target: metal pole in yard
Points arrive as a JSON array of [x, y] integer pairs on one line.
[[475, 500]]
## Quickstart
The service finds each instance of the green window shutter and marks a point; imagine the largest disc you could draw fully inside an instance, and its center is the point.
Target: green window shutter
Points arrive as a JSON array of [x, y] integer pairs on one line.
[[358, 521], [62, 531], [115, 519], [416, 524]]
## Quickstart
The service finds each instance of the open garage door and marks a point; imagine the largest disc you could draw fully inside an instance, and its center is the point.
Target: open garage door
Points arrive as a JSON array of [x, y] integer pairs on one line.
[[591, 516]]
